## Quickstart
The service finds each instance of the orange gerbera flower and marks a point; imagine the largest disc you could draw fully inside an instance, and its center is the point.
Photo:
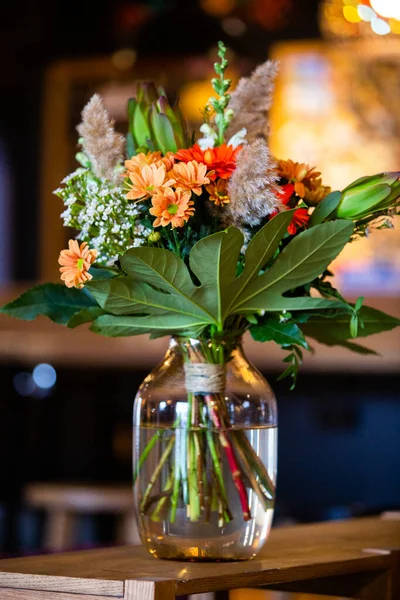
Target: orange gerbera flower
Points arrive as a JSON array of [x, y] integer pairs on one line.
[[140, 160], [190, 176], [147, 181], [219, 192], [172, 207], [75, 264], [221, 160], [301, 175]]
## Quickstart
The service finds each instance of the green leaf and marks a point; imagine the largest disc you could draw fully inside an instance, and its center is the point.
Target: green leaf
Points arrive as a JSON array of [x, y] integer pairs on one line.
[[113, 326], [168, 285], [52, 300], [213, 260], [359, 302], [353, 325], [325, 208], [127, 296], [284, 333], [260, 250], [130, 145], [163, 131], [99, 273], [86, 315], [141, 130], [303, 259], [336, 330]]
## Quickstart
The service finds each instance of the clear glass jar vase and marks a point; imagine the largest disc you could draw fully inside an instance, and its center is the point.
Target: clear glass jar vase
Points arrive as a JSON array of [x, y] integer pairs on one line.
[[204, 453]]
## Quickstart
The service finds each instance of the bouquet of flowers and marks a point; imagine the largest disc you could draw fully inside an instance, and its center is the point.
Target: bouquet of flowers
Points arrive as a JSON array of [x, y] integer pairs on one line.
[[208, 237]]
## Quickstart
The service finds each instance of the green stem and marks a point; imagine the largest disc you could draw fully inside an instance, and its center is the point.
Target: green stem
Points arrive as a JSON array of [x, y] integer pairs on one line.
[[194, 499], [177, 242], [216, 462], [157, 472], [149, 447], [177, 477], [156, 516]]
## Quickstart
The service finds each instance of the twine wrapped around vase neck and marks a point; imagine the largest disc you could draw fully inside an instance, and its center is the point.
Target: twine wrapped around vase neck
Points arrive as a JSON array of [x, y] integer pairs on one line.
[[204, 378]]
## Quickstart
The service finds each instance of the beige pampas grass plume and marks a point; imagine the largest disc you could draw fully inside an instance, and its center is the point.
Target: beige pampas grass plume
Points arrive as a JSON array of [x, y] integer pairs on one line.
[[252, 187], [251, 101], [101, 143]]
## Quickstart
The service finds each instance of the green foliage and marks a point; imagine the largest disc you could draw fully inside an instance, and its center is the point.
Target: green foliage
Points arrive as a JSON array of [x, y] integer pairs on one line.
[[158, 281], [338, 331], [307, 255], [52, 300], [284, 332], [153, 123], [325, 208]]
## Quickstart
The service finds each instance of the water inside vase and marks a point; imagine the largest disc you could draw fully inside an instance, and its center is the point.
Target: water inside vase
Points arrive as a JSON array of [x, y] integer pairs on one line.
[[180, 509]]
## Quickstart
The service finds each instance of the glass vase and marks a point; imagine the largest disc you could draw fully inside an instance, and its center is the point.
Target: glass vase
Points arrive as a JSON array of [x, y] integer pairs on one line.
[[204, 453]]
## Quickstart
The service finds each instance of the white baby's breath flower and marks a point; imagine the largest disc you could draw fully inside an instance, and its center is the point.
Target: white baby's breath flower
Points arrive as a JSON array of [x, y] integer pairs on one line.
[[99, 210]]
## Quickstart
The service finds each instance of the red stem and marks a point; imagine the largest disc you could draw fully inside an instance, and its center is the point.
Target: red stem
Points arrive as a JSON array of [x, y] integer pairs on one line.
[[230, 456]]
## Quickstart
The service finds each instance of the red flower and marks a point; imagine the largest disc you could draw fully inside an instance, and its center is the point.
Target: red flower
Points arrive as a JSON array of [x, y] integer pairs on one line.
[[286, 192], [300, 218], [221, 161]]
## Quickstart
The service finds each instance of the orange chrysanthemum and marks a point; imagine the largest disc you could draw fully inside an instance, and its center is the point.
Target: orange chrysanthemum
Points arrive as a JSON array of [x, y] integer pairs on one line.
[[190, 176], [140, 160], [301, 175], [172, 207], [221, 161], [219, 192], [75, 264], [317, 193], [147, 181], [168, 160]]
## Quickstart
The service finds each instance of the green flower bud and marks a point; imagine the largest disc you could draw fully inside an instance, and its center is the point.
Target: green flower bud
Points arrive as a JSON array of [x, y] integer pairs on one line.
[[154, 237], [153, 123], [368, 195]]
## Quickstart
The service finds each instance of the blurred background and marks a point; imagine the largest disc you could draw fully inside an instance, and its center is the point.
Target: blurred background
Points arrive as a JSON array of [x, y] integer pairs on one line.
[[66, 397]]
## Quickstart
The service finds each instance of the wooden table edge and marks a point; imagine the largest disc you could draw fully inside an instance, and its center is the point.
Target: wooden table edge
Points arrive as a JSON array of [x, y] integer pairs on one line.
[[100, 588], [376, 562]]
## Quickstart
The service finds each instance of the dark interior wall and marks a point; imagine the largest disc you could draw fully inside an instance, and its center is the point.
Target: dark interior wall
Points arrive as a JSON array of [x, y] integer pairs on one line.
[[33, 34]]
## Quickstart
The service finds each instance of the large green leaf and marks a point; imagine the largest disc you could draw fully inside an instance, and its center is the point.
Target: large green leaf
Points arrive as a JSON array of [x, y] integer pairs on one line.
[[113, 326], [259, 251], [52, 300], [336, 330], [126, 296], [306, 257], [157, 281], [214, 261]]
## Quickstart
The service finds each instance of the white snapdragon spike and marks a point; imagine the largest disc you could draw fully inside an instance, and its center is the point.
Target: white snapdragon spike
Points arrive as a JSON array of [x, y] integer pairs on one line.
[[98, 209], [210, 137], [239, 138]]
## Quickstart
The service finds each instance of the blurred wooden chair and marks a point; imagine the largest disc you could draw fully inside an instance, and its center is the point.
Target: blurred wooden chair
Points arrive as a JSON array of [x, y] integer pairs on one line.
[[64, 503]]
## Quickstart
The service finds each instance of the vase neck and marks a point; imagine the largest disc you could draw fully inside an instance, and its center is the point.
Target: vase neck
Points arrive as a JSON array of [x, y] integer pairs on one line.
[[210, 351]]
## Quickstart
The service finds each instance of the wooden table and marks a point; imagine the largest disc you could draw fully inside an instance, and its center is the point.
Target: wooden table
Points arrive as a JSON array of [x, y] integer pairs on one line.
[[355, 558]]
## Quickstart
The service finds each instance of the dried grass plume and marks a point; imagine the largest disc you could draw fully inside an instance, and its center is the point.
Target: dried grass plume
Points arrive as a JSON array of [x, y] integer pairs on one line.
[[251, 101], [252, 187], [101, 143]]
